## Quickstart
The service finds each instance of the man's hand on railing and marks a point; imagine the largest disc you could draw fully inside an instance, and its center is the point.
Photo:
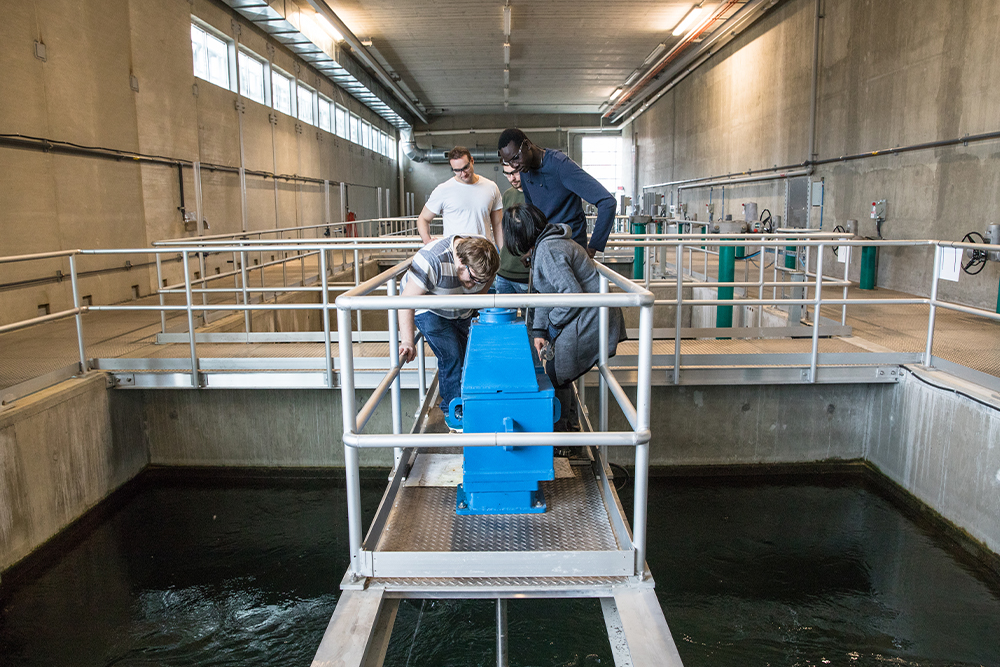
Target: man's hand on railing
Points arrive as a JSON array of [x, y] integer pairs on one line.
[[407, 352]]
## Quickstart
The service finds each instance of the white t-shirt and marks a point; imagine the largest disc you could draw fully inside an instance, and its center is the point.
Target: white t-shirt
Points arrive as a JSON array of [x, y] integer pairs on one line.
[[465, 208]]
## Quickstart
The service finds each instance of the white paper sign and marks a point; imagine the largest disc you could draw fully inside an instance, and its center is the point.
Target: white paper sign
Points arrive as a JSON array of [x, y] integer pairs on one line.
[[843, 253], [951, 263]]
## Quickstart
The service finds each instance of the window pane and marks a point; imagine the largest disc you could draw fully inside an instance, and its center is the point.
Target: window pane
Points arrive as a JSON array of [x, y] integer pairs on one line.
[[200, 52], [324, 115], [601, 158], [366, 134], [251, 78], [281, 92], [218, 61], [306, 105], [355, 129], [342, 122]]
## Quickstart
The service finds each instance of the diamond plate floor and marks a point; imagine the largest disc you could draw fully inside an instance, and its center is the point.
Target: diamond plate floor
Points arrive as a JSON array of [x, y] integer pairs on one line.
[[424, 519]]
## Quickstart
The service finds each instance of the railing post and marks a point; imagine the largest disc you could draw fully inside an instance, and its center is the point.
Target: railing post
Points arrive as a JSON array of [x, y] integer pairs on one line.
[[817, 299], [422, 369], [79, 316], [847, 265], [643, 396], [397, 413], [678, 321], [933, 306], [357, 281], [159, 287], [603, 316], [244, 277], [349, 415], [326, 320], [195, 381]]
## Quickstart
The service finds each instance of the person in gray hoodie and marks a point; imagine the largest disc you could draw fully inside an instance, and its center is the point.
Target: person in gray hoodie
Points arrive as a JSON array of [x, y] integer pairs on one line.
[[561, 266]]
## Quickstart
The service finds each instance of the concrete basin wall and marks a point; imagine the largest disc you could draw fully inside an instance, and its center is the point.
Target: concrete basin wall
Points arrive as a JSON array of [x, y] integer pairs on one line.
[[64, 450]]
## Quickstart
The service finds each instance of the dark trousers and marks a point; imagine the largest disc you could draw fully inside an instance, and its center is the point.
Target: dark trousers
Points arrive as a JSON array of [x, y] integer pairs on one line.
[[449, 340]]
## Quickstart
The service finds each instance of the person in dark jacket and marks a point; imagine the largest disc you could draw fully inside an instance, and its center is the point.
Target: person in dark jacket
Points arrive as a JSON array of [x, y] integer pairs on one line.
[[555, 184], [559, 265]]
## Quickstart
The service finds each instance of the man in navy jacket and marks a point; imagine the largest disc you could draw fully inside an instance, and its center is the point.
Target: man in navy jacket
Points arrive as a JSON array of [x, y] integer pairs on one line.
[[556, 184]]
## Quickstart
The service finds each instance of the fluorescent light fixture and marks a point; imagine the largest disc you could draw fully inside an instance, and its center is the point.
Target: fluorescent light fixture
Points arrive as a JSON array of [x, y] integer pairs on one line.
[[328, 28], [506, 94], [506, 54], [614, 95], [654, 53], [506, 21], [506, 76], [688, 20]]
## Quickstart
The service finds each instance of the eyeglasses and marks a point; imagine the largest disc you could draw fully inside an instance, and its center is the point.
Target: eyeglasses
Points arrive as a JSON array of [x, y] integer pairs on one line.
[[517, 159], [467, 167], [475, 279]]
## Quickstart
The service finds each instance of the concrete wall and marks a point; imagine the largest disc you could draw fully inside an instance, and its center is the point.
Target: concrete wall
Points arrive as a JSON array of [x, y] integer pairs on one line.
[[944, 448], [892, 73], [268, 428], [67, 448], [59, 457], [81, 93]]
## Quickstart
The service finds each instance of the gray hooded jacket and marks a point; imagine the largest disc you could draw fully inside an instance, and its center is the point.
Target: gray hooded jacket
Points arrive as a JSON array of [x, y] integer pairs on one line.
[[561, 266]]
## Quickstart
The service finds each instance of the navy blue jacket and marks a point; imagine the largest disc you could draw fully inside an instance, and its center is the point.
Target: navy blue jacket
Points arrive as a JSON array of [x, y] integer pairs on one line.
[[556, 188]]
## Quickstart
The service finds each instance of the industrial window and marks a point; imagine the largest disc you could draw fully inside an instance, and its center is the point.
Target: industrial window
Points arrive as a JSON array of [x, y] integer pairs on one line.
[[341, 122], [366, 134], [602, 158], [380, 142], [211, 57], [307, 97], [390, 147], [325, 116], [281, 91], [252, 75], [355, 129]]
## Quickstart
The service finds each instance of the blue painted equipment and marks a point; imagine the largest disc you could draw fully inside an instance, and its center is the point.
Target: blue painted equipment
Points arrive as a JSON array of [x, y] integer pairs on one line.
[[504, 389]]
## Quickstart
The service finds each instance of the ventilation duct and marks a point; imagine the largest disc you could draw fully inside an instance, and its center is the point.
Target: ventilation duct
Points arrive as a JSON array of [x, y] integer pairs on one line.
[[439, 155]]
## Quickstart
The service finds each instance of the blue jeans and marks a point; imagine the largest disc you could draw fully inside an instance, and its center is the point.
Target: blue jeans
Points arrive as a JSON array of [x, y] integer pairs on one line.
[[505, 286], [448, 340]]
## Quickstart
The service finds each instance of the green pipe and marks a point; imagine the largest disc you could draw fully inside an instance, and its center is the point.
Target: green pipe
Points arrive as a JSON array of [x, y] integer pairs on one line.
[[727, 272], [869, 266], [639, 257], [791, 254]]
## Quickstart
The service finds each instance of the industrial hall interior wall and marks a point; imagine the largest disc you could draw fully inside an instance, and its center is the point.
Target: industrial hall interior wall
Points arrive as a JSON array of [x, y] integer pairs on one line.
[[891, 74], [83, 93]]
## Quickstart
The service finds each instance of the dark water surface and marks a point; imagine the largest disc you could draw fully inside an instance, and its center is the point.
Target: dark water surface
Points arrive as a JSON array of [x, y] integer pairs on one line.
[[750, 571]]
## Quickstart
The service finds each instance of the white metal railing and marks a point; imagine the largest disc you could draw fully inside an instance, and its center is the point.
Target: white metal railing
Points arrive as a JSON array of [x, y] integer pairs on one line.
[[820, 290], [361, 298]]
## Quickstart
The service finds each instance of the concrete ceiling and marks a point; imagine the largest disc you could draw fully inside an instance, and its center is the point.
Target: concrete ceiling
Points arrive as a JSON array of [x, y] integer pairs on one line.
[[567, 56]]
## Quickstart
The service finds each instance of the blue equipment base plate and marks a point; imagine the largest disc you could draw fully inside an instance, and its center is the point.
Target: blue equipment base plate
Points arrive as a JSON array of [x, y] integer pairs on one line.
[[521, 502]]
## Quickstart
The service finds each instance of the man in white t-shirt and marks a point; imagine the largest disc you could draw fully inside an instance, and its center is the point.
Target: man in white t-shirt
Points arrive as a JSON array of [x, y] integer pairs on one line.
[[468, 204]]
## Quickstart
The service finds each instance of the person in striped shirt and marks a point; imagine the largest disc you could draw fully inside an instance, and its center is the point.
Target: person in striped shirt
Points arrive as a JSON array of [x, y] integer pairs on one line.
[[451, 265]]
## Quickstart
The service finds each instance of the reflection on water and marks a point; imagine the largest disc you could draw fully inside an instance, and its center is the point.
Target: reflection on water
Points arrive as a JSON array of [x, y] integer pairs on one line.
[[749, 572]]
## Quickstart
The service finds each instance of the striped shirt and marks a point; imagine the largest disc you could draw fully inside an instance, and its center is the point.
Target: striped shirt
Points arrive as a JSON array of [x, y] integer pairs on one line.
[[434, 269]]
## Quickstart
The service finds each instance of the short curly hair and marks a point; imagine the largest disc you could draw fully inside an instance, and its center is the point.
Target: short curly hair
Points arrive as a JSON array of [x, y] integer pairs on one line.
[[480, 255], [509, 135]]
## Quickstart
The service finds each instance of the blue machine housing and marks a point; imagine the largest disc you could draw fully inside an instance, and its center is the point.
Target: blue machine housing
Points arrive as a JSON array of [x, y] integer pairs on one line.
[[504, 389]]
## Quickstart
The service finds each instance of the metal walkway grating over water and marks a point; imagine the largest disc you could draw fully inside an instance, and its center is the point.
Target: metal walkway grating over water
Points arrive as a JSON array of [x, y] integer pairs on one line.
[[424, 519]]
